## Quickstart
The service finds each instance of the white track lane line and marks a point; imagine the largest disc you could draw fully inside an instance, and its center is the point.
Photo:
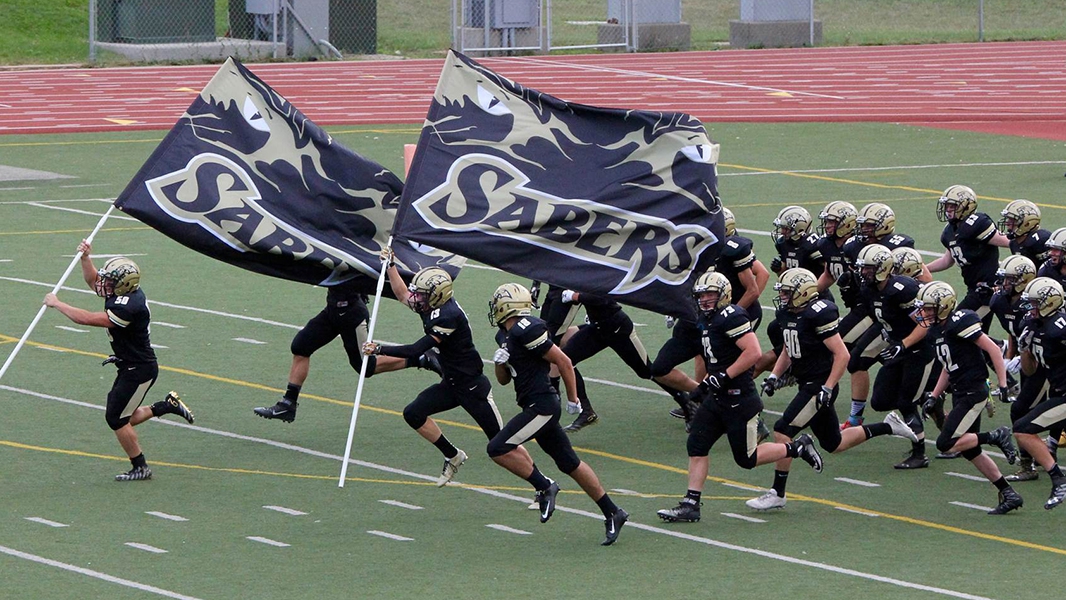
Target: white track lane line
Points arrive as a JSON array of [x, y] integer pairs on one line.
[[168, 517], [94, 574], [525, 501]]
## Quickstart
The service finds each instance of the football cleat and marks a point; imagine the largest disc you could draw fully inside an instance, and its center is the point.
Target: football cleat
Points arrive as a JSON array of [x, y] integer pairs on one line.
[[768, 501], [546, 500], [1027, 472], [451, 467], [614, 524], [1008, 500], [809, 454], [430, 361], [1000, 437], [175, 406], [284, 410], [899, 428], [677, 412], [135, 474], [686, 511], [913, 461], [583, 420], [1058, 494]]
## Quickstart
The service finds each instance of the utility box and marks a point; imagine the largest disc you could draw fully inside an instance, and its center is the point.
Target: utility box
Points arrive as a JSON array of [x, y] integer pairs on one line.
[[656, 25], [774, 24], [160, 21], [661, 11], [502, 14]]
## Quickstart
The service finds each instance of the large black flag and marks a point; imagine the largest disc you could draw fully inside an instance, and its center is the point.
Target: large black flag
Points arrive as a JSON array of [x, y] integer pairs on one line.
[[246, 178], [608, 201]]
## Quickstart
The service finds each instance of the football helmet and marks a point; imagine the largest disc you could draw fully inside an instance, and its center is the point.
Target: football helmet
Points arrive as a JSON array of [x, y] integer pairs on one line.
[[1056, 245], [874, 263], [875, 220], [1043, 296], [119, 276], [793, 219], [430, 288], [962, 197], [796, 288], [841, 213], [1019, 219], [710, 282], [935, 302], [907, 261], [1014, 273], [730, 222], [509, 300]]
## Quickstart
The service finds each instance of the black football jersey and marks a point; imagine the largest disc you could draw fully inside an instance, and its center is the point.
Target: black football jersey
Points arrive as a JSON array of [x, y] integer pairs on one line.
[[1009, 312], [835, 260], [1049, 348], [1032, 246], [347, 291], [968, 242], [459, 358], [1052, 271], [805, 333], [132, 319], [555, 313], [736, 256], [802, 253], [893, 305], [527, 342], [720, 350], [956, 347], [601, 310]]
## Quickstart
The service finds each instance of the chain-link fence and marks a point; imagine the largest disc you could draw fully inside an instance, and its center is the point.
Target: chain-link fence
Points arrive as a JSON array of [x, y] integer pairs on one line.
[[205, 29]]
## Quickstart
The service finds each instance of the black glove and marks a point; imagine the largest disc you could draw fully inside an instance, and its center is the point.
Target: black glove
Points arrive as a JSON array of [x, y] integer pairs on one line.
[[892, 354], [770, 384], [824, 397], [846, 281], [984, 291], [776, 265], [110, 360], [933, 406], [1004, 395], [717, 381], [534, 293]]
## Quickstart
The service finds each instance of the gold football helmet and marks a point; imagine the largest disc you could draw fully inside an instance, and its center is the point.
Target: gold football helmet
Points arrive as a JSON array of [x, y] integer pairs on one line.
[[874, 263], [907, 261], [119, 276], [935, 302], [1020, 218], [509, 300], [1056, 245], [1044, 297], [964, 200], [430, 288], [1015, 272], [841, 213], [796, 288], [730, 222], [793, 222], [876, 220], [711, 282]]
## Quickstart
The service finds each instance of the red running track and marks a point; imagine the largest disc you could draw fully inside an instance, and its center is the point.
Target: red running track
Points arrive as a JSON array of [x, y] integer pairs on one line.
[[1000, 87]]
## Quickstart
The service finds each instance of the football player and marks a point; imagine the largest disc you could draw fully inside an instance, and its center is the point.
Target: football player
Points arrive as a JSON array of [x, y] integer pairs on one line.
[[729, 404], [960, 347], [1020, 222], [446, 330], [1043, 343], [908, 263], [127, 319], [559, 317], [971, 241], [525, 357], [816, 355], [906, 357], [1055, 265]]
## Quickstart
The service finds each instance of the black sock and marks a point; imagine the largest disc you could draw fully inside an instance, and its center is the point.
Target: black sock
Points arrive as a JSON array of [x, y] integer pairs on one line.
[[411, 363], [607, 506], [292, 392], [1001, 484], [792, 450], [446, 448], [877, 429], [582, 395], [982, 438], [538, 480], [693, 496], [159, 408], [918, 448], [139, 461], [780, 481], [1055, 473]]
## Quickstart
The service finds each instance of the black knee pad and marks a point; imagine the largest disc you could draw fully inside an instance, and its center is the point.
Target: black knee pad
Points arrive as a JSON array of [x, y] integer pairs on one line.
[[356, 362], [972, 453], [414, 418], [568, 463], [944, 442], [698, 444], [743, 460], [302, 345], [660, 367], [831, 443], [114, 422], [497, 447]]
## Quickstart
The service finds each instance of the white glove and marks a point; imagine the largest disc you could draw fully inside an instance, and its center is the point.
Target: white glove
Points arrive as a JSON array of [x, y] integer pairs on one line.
[[573, 408], [670, 321], [1014, 365], [568, 296], [501, 357]]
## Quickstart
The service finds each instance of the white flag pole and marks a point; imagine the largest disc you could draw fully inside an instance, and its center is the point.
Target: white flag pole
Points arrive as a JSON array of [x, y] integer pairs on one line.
[[362, 370], [62, 280]]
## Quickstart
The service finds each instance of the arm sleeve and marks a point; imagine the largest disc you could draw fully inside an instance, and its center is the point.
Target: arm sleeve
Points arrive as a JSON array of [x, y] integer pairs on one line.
[[410, 350]]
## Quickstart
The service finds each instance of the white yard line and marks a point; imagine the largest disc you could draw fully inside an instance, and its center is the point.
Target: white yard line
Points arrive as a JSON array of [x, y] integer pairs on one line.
[[965, 476], [507, 529], [858, 512], [95, 574], [973, 506], [267, 541], [80, 212], [163, 515], [857, 482], [401, 504], [74, 329], [249, 341], [44, 521], [146, 548], [743, 517], [165, 324], [391, 536], [288, 511]]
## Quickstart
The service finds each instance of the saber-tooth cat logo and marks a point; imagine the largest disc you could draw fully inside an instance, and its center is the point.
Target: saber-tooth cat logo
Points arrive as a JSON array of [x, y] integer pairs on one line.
[[487, 194], [218, 195]]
